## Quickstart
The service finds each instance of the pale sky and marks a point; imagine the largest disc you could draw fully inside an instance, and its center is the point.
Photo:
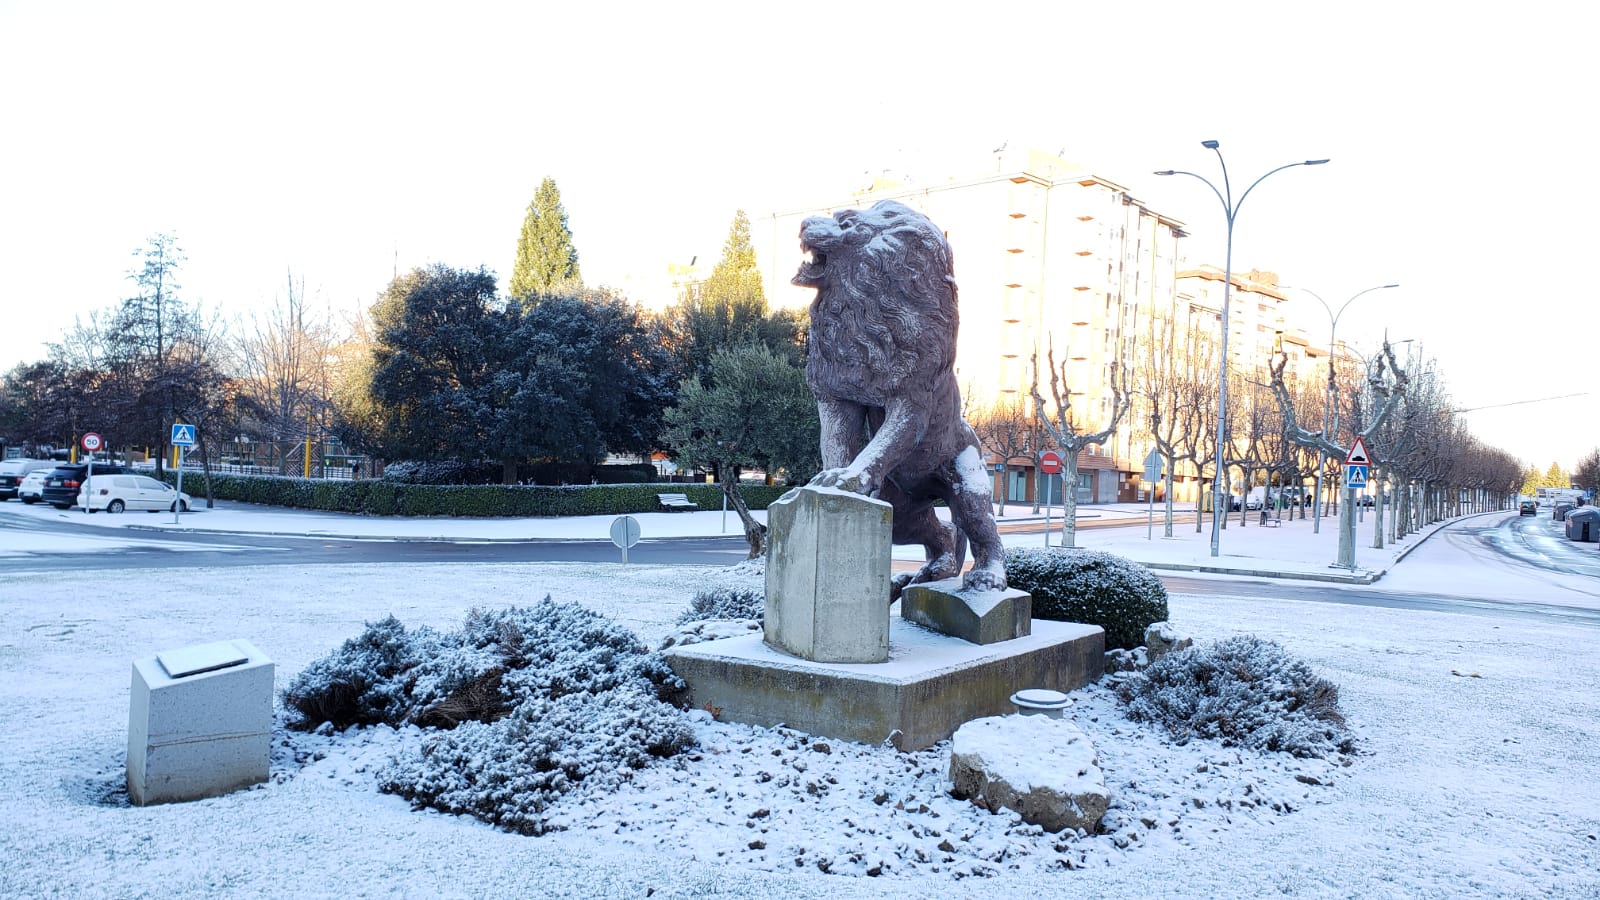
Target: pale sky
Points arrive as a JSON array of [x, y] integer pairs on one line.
[[342, 140]]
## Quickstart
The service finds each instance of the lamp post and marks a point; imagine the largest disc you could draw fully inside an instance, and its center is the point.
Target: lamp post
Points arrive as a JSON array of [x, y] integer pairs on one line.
[[1230, 209], [1327, 395]]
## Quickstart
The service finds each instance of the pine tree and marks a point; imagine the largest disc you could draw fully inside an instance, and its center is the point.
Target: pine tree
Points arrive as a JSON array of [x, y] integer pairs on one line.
[[729, 309], [546, 257], [1555, 478]]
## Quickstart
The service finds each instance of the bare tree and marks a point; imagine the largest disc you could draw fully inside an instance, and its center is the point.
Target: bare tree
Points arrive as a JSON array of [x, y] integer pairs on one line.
[[1388, 389], [1062, 428], [1008, 431], [284, 359]]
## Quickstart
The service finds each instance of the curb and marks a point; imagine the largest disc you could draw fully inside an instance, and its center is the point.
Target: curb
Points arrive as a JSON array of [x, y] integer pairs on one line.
[[1367, 577]]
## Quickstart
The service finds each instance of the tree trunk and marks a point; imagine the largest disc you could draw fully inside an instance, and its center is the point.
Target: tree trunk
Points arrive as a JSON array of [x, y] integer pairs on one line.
[[1377, 515], [754, 532], [1005, 472], [1347, 537], [1069, 498], [1166, 530], [508, 471]]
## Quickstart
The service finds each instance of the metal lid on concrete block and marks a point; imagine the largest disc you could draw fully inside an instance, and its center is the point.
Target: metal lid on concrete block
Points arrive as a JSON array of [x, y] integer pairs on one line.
[[201, 658], [1037, 700]]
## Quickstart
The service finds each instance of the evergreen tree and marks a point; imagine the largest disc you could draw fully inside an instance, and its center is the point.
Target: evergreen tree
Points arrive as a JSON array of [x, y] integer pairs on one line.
[[755, 411], [430, 363], [1555, 478], [730, 309], [546, 257]]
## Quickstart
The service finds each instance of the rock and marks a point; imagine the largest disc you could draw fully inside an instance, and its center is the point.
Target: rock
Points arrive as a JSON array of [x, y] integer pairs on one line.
[[1043, 769], [1162, 638]]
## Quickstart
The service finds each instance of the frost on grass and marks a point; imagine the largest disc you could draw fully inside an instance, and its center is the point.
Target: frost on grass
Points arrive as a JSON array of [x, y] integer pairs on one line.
[[521, 704], [1244, 691]]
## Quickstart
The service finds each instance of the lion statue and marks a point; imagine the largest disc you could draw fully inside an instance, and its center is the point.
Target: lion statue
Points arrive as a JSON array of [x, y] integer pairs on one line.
[[881, 363]]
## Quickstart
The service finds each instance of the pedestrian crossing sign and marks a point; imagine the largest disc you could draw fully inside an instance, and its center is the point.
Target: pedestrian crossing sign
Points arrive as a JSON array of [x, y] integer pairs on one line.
[[1355, 476], [183, 435]]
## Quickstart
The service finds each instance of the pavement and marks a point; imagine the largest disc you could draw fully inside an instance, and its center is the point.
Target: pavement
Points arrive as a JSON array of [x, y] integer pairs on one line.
[[1292, 549]]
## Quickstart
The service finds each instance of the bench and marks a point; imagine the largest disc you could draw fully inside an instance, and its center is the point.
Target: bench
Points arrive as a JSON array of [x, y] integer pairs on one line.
[[675, 502]]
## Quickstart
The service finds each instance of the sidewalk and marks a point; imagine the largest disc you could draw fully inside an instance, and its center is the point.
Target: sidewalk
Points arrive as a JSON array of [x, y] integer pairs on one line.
[[1290, 550]]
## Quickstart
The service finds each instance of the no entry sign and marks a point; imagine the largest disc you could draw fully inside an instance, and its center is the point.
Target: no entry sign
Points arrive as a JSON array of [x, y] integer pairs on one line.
[[1050, 462]]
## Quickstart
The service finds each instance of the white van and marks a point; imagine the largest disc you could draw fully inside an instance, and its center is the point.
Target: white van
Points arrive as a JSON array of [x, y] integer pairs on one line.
[[117, 493]]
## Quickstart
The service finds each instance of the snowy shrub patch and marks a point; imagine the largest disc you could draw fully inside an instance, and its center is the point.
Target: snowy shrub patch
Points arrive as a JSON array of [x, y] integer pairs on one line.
[[1091, 587], [724, 603], [530, 701], [1244, 691], [509, 772]]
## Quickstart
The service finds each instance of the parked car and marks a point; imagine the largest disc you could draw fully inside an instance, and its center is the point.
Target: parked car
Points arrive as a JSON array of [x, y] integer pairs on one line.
[[12, 471], [31, 490], [1528, 508], [118, 493], [61, 488]]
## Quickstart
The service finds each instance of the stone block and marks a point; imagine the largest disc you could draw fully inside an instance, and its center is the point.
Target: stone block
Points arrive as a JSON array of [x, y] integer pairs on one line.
[[1043, 769], [828, 575], [930, 685], [982, 617], [199, 722]]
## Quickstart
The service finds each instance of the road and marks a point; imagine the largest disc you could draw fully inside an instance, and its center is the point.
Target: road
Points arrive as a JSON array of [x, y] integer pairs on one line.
[[1521, 566]]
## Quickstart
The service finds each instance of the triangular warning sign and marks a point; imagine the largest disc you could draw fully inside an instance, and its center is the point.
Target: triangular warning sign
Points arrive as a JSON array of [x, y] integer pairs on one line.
[[1358, 454]]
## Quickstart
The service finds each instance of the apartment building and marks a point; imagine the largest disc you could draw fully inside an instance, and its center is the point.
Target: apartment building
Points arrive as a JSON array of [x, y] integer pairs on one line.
[[1050, 260]]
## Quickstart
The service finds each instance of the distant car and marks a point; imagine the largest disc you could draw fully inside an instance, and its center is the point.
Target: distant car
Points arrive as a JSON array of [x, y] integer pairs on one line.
[[62, 486], [31, 490], [119, 493], [12, 471], [1528, 508]]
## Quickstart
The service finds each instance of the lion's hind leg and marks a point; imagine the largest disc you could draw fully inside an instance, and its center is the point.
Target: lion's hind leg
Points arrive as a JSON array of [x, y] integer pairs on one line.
[[915, 522], [969, 502]]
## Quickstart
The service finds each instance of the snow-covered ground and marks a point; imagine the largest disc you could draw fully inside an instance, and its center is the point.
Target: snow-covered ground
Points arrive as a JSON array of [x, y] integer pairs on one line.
[[1479, 773]]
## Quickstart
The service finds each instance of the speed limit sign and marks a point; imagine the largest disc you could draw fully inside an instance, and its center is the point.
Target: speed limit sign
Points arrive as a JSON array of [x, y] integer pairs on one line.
[[91, 442]]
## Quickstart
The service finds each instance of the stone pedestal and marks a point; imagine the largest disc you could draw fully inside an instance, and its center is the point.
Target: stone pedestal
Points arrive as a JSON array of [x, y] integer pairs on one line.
[[982, 617], [828, 576], [931, 684], [199, 722]]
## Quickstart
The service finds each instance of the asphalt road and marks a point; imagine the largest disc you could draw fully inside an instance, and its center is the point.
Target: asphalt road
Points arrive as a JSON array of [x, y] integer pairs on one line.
[[1534, 544]]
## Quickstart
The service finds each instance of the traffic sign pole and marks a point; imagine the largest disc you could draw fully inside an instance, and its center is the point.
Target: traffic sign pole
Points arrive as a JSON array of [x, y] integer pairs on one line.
[[1050, 464]]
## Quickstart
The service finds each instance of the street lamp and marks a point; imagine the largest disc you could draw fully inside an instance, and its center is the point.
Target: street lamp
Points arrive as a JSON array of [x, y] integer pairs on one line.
[[1327, 395], [1230, 209]]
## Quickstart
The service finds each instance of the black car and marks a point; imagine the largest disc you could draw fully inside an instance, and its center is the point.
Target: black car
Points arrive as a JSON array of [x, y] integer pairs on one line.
[[1528, 508], [61, 488]]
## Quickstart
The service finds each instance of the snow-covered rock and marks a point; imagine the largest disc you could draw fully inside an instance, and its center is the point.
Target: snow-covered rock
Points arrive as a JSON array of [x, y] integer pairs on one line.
[[1162, 638], [1044, 769]]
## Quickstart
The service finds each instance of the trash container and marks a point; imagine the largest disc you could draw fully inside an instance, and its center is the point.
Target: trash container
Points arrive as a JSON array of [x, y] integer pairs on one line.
[[1583, 524], [1560, 510]]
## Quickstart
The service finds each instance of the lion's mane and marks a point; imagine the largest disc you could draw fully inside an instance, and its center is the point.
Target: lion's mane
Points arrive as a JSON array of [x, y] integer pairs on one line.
[[885, 312]]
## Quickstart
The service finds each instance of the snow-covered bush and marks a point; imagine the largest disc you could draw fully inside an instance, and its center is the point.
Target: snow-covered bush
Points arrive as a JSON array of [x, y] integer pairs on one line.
[[724, 603], [529, 702], [1091, 587], [509, 772], [362, 683], [1244, 691], [418, 471]]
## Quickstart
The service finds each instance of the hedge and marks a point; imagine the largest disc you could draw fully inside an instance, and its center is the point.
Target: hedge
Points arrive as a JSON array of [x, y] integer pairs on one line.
[[372, 497]]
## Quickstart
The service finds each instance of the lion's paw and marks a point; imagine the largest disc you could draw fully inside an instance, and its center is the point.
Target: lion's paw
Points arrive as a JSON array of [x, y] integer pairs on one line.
[[984, 579], [844, 479]]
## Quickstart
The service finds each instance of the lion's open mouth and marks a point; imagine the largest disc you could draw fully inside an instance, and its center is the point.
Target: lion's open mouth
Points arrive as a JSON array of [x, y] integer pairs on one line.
[[812, 266]]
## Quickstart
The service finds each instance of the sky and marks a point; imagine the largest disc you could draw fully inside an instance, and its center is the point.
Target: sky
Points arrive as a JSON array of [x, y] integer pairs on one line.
[[1460, 787], [343, 142]]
